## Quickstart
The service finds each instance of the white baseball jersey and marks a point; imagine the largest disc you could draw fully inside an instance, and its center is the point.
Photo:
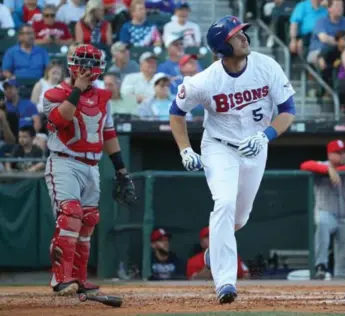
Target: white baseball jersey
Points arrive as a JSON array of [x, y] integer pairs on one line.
[[236, 107]]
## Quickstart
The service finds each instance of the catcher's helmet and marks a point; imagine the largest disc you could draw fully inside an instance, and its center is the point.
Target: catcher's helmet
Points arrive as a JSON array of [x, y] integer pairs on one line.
[[221, 31], [87, 57]]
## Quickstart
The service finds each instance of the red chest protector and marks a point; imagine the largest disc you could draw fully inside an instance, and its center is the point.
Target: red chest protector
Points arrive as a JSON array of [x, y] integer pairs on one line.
[[85, 132]]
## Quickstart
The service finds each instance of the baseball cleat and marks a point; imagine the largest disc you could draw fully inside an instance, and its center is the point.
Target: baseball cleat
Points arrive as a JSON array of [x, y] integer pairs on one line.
[[66, 289], [88, 288], [227, 294], [207, 260]]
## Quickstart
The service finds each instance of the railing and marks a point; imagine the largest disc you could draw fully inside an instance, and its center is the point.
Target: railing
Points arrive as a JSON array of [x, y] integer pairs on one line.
[[323, 84], [279, 42]]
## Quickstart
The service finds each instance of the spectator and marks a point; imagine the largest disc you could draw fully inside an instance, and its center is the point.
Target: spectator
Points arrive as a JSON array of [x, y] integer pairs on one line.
[[164, 263], [25, 60], [329, 208], [26, 149], [6, 135], [139, 32], [182, 26], [53, 75], [49, 31], [120, 104], [196, 268], [15, 5], [6, 20], [303, 20], [160, 6], [122, 64], [92, 28], [325, 30], [27, 14], [72, 11], [157, 107], [330, 59], [140, 83], [25, 109]]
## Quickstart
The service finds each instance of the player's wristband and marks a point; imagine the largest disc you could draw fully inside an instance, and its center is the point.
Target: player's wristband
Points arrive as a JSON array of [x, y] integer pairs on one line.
[[74, 96], [270, 133], [116, 159]]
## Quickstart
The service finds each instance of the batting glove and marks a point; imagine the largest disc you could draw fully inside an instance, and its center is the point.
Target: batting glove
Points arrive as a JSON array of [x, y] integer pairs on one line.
[[251, 146], [191, 160]]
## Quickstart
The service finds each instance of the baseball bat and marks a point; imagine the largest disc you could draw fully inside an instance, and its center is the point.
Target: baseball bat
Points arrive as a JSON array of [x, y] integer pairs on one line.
[[109, 300]]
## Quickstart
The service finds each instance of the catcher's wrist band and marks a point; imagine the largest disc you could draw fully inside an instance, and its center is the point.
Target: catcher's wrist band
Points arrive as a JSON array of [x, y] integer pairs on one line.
[[117, 161], [74, 96]]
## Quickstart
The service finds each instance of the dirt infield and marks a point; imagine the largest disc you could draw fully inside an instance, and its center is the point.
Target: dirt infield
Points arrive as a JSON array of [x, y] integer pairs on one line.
[[141, 299]]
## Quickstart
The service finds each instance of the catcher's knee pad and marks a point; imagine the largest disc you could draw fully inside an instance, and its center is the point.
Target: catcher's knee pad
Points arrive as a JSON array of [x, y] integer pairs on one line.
[[89, 221], [63, 245]]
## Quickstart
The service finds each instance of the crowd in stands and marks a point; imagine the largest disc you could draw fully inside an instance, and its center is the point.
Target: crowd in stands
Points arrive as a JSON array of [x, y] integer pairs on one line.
[[150, 46]]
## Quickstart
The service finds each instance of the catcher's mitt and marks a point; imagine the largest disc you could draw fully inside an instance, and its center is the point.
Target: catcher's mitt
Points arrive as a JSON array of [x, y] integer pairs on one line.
[[123, 189]]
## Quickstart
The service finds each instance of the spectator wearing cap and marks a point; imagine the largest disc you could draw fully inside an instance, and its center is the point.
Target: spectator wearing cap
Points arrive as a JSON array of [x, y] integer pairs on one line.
[[160, 6], [92, 27], [140, 83], [25, 109], [71, 12], [122, 64], [325, 30], [302, 23], [27, 14], [157, 107], [164, 263], [181, 25], [6, 20], [25, 60], [139, 32], [120, 104], [171, 67], [329, 208], [49, 31]]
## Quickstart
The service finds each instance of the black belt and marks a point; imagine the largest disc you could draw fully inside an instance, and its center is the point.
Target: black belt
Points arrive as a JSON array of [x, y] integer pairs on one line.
[[226, 143]]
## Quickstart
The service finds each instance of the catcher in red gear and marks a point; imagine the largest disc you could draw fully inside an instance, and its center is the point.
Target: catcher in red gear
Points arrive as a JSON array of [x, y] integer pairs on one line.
[[80, 128]]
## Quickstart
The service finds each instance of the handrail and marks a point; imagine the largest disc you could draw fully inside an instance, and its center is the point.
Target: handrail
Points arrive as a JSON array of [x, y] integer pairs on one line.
[[242, 5], [324, 84], [287, 57]]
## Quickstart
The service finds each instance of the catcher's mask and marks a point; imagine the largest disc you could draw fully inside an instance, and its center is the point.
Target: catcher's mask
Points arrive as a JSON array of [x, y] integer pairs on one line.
[[87, 57]]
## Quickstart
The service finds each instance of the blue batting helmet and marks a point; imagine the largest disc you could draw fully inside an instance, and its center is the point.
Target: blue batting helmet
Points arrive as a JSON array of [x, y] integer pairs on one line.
[[221, 31]]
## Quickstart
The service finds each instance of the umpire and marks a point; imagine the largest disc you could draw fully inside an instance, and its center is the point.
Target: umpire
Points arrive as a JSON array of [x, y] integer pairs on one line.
[[329, 189]]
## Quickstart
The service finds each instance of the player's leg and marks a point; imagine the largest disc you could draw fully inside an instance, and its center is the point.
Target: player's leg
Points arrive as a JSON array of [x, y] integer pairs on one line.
[[89, 200], [250, 177], [221, 166], [339, 250], [64, 191], [326, 224]]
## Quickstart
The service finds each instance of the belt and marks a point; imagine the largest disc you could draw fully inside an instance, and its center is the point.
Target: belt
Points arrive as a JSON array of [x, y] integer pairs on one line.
[[84, 160], [227, 143]]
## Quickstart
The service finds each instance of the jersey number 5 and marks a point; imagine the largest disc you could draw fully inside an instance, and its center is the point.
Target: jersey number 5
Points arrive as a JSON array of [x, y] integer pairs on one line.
[[257, 115]]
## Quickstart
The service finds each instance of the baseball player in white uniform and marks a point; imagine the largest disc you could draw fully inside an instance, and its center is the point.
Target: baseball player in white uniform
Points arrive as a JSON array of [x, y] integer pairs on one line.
[[239, 93]]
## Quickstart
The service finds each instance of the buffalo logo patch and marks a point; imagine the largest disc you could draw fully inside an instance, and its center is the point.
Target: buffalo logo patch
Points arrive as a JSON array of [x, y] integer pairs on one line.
[[182, 93]]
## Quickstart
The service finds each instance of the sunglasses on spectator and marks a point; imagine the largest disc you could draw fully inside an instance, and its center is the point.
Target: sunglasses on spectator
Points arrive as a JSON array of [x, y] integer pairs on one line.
[[49, 15]]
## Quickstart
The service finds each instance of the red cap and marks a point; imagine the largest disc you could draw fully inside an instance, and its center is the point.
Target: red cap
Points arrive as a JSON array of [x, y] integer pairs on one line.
[[335, 146], [186, 58], [158, 234], [204, 232]]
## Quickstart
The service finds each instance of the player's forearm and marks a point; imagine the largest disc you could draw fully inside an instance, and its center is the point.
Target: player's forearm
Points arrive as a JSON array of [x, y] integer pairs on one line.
[[179, 130], [67, 108], [113, 149], [282, 122]]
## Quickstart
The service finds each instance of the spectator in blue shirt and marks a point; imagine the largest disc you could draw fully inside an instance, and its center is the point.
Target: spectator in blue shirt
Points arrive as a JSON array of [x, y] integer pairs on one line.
[[139, 32], [323, 37], [25, 60], [15, 5], [164, 6], [303, 20], [26, 111]]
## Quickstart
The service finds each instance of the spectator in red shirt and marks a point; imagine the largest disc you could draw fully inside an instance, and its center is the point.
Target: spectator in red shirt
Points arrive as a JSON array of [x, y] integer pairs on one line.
[[93, 28], [27, 14], [49, 31]]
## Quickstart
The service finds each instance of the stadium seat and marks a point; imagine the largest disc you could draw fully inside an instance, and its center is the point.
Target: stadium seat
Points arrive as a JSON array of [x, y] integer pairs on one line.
[[159, 19], [53, 49]]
